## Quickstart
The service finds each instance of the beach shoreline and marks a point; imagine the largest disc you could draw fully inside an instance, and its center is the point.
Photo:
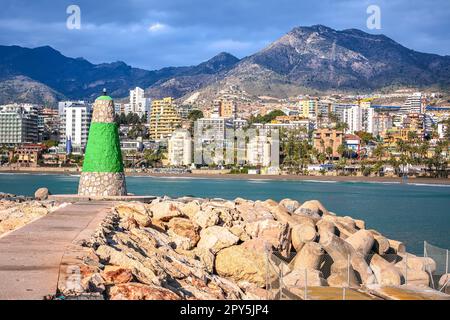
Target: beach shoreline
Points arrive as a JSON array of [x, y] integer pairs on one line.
[[290, 177]]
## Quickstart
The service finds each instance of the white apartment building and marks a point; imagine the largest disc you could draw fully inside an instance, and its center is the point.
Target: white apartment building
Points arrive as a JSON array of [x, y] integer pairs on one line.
[[358, 117], [18, 124], [259, 151], [413, 104], [209, 133], [180, 148], [138, 103], [64, 104], [75, 121], [441, 129]]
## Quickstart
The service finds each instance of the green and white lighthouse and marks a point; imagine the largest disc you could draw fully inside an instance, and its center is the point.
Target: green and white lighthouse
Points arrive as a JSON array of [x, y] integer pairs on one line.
[[102, 173]]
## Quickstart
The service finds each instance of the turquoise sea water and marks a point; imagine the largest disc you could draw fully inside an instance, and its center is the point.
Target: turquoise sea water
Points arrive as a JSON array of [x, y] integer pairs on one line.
[[406, 212]]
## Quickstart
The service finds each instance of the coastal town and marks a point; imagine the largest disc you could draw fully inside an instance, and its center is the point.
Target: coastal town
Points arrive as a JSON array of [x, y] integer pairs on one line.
[[397, 134]]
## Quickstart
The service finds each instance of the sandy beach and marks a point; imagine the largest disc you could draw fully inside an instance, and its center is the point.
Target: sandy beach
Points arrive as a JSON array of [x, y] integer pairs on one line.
[[71, 171]]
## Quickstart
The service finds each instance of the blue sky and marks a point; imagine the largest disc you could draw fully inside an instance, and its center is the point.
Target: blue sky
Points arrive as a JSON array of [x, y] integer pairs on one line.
[[153, 34]]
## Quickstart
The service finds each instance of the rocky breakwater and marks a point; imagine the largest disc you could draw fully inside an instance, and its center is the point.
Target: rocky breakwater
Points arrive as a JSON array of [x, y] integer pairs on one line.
[[17, 211], [190, 248]]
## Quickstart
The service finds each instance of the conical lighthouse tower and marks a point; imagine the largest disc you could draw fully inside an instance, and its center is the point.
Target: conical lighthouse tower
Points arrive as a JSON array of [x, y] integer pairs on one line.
[[102, 173]]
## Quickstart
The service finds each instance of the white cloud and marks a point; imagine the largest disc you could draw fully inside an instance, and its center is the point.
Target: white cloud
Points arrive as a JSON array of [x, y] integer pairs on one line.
[[157, 27]]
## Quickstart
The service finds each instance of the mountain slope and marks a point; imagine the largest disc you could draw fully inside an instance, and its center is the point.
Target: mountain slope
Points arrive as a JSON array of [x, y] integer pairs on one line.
[[79, 79], [324, 59], [316, 58]]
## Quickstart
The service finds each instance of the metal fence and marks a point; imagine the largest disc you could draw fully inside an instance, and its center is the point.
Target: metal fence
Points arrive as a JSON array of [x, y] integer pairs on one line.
[[344, 277], [440, 276]]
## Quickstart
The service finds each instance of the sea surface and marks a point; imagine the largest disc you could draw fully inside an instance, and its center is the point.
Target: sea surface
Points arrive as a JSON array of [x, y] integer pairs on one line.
[[410, 213]]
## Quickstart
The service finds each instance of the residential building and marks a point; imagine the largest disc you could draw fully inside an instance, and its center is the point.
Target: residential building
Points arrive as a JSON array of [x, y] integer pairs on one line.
[[74, 126], [180, 148], [164, 119], [413, 104], [209, 133], [225, 108], [352, 142], [138, 103], [308, 108], [19, 124], [442, 129], [326, 138], [64, 104], [27, 155], [119, 108], [237, 123], [260, 151], [184, 110], [379, 123], [305, 125], [131, 145]]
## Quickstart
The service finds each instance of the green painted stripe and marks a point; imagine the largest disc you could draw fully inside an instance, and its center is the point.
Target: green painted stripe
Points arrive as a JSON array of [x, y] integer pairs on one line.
[[103, 149]]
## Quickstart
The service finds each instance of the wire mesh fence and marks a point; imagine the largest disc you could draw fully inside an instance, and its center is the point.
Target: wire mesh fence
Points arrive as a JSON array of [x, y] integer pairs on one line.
[[440, 274], [343, 277]]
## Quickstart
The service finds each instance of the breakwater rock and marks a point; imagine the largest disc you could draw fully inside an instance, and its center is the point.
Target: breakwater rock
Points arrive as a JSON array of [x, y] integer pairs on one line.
[[189, 248], [16, 212]]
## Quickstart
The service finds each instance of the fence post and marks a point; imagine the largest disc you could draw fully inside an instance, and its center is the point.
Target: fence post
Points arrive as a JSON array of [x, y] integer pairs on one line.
[[280, 289], [344, 291], [306, 285], [446, 262], [267, 274], [425, 249], [406, 269]]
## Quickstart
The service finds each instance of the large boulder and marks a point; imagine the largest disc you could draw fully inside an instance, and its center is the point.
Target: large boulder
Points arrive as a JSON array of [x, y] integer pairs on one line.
[[164, 211], [298, 278], [207, 218], [275, 232], [240, 264], [117, 274], [258, 244], [303, 231], [250, 211], [444, 283], [385, 273], [184, 233], [129, 211], [290, 205], [126, 260], [312, 208], [190, 209], [309, 257], [41, 194], [362, 241], [139, 291], [216, 238]]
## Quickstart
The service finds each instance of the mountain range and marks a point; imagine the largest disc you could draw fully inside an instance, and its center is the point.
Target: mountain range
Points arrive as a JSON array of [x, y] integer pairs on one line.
[[306, 59]]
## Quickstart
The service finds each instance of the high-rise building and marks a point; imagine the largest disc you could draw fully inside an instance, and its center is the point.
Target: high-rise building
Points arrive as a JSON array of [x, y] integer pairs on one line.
[[413, 104], [74, 126], [225, 108], [18, 124], [308, 108], [380, 123], [138, 103], [357, 117], [259, 150], [164, 119], [180, 148], [64, 104]]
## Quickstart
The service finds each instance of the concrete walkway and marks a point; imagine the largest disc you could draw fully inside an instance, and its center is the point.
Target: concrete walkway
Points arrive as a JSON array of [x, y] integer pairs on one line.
[[30, 257]]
